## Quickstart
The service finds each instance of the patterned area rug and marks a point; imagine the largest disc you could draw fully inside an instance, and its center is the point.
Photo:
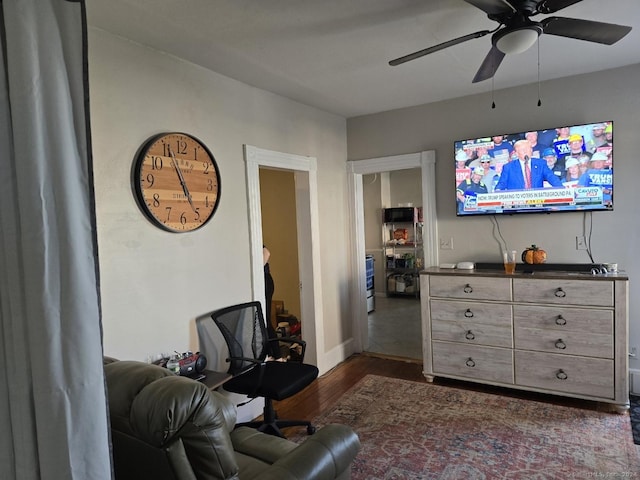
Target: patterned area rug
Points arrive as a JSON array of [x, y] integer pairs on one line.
[[412, 430], [634, 412]]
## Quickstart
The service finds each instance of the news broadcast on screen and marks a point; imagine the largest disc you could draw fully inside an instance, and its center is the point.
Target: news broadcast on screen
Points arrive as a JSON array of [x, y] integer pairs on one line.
[[563, 169]]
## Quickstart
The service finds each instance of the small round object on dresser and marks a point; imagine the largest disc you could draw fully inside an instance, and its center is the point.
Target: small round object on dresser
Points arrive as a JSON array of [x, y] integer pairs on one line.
[[534, 255]]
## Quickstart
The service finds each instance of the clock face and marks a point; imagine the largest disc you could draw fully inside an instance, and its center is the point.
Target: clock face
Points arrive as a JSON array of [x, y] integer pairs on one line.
[[176, 182]]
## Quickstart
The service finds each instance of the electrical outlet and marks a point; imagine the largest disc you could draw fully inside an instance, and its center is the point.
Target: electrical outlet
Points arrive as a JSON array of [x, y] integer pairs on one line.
[[446, 243], [581, 243]]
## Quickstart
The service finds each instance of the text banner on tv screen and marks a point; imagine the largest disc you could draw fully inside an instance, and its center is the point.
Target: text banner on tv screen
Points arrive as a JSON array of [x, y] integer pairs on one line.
[[562, 169]]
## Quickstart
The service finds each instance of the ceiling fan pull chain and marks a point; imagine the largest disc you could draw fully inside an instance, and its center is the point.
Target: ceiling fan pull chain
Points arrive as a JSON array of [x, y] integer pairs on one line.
[[539, 100], [493, 103]]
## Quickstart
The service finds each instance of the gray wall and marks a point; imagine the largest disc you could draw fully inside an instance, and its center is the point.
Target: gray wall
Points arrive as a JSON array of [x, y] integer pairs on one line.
[[154, 283], [607, 95]]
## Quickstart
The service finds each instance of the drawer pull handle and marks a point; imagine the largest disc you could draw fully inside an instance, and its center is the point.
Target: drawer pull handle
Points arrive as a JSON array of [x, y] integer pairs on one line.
[[560, 344], [470, 362], [560, 293], [561, 320], [468, 289], [561, 375], [469, 335], [468, 313]]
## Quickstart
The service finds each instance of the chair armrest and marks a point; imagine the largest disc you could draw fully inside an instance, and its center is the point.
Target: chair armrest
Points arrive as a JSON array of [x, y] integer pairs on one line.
[[324, 455], [244, 359]]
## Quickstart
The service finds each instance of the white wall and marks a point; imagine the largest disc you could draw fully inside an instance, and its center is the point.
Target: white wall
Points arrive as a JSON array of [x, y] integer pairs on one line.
[[153, 283], [608, 95]]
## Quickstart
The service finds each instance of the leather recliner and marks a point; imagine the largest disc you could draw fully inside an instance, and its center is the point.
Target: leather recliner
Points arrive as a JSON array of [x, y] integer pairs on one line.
[[164, 426]]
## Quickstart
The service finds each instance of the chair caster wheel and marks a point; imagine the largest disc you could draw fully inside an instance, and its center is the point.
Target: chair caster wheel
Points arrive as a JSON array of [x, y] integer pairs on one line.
[[311, 430]]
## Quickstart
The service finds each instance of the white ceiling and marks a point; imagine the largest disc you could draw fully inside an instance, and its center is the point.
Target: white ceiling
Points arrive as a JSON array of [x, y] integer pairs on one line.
[[333, 54]]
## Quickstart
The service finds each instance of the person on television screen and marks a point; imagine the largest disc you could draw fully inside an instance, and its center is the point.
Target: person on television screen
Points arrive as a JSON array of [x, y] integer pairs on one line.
[[526, 172], [549, 156], [491, 179], [501, 149], [562, 133], [536, 147], [461, 159], [608, 134], [576, 146], [597, 138], [583, 163], [573, 173], [599, 176], [470, 187]]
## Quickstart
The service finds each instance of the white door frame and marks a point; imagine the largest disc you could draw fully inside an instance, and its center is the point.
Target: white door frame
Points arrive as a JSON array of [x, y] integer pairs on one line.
[[426, 161], [305, 175]]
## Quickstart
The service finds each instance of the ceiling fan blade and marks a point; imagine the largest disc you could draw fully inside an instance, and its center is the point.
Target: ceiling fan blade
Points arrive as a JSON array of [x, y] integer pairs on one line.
[[490, 65], [599, 32], [435, 48], [552, 6], [492, 7]]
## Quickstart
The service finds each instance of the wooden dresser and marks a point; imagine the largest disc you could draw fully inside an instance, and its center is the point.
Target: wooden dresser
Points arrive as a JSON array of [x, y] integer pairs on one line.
[[557, 333]]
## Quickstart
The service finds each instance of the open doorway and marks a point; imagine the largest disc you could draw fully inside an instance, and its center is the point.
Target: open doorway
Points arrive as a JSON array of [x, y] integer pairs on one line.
[[280, 237], [394, 322], [425, 161], [304, 174]]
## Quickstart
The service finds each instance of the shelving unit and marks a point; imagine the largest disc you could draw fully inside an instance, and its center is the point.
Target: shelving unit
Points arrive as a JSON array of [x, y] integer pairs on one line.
[[402, 246]]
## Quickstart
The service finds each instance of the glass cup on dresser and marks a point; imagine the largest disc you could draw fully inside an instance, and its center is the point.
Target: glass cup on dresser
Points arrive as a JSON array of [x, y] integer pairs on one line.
[[509, 260]]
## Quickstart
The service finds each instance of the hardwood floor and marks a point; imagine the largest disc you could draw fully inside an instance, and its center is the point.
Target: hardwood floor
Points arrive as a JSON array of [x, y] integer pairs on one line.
[[323, 393]]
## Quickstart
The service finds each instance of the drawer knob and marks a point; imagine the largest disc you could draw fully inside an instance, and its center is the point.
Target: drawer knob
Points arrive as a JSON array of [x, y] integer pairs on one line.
[[470, 362], [467, 288], [560, 293], [561, 320], [468, 313], [561, 375], [560, 344], [469, 335]]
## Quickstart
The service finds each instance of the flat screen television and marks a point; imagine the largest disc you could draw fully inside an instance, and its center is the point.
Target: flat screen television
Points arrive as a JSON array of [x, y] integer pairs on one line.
[[563, 169]]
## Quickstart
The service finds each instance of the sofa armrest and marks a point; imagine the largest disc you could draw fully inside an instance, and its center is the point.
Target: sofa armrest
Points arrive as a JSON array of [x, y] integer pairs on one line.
[[258, 445], [322, 456]]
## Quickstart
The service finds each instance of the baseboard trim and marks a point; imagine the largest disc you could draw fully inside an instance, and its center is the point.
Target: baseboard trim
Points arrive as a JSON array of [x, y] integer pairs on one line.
[[336, 355]]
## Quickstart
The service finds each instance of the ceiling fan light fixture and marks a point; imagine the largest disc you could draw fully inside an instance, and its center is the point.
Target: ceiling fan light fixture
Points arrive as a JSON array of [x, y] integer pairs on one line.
[[518, 41]]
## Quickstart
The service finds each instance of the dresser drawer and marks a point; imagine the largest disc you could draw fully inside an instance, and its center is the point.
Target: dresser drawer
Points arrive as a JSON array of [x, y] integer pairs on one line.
[[478, 312], [470, 287], [563, 292], [564, 374], [473, 362], [472, 333], [564, 319], [564, 343], [473, 323]]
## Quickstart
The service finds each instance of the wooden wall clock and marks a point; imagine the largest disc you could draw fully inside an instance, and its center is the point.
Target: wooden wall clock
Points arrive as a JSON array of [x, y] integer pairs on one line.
[[176, 182]]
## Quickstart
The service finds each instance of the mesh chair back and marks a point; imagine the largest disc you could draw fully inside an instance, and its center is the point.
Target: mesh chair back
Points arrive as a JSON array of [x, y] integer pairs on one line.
[[244, 331]]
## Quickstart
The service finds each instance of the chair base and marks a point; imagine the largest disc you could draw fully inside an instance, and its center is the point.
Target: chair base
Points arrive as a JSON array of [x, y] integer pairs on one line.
[[271, 425]]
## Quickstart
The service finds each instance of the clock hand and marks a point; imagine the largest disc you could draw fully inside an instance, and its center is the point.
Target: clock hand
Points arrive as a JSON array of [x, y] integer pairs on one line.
[[182, 181]]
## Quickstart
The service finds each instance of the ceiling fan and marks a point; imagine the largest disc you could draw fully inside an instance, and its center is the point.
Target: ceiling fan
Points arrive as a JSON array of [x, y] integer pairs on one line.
[[517, 32]]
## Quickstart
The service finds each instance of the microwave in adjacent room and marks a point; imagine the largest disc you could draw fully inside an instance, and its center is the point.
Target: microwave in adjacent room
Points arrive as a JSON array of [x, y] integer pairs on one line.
[[402, 214]]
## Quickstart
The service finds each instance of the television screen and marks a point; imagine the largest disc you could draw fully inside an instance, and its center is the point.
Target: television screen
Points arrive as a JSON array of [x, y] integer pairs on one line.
[[563, 169]]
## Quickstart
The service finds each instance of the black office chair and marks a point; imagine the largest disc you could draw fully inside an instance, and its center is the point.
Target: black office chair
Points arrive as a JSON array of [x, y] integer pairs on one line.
[[245, 333]]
